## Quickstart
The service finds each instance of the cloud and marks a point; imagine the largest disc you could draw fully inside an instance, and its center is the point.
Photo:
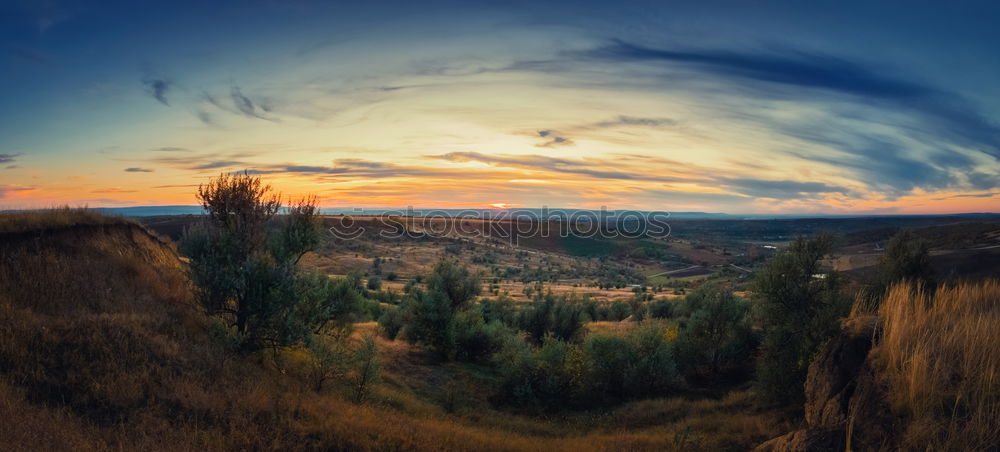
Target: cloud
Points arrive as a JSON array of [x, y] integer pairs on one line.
[[792, 68], [4, 189], [217, 165], [779, 189], [622, 120], [945, 113], [158, 88], [8, 158], [206, 118], [553, 140], [175, 186], [246, 106], [138, 170], [983, 181], [171, 149], [969, 195], [113, 190], [883, 163], [596, 168]]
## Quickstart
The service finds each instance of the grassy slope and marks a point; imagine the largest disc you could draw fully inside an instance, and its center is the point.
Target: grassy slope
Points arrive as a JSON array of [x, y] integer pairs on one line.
[[939, 358], [101, 347]]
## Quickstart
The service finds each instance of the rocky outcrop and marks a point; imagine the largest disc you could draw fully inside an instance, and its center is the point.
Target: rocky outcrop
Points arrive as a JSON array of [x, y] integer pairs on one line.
[[840, 388], [833, 375]]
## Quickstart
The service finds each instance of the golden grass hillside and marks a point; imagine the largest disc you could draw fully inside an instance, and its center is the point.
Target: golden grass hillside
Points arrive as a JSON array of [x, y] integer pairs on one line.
[[102, 348], [940, 357]]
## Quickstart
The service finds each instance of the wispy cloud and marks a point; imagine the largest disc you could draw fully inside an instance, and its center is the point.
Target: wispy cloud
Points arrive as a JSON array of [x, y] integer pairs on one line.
[[138, 170], [939, 110], [798, 68], [158, 88], [113, 190], [552, 139], [246, 106], [623, 120], [5, 189], [8, 158]]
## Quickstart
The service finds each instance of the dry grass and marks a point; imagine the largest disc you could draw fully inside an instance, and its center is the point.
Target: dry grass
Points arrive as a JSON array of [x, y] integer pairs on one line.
[[941, 358], [62, 217], [100, 349]]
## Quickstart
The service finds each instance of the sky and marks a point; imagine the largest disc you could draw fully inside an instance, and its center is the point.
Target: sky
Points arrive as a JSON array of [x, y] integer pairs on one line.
[[715, 106]]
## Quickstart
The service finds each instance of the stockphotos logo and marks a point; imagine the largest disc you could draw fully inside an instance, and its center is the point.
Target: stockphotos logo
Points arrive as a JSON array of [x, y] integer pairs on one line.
[[509, 225]]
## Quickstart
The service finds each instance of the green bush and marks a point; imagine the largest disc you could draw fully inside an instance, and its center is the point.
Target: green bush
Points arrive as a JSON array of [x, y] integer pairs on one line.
[[716, 340], [603, 368], [549, 314], [454, 282], [499, 309], [906, 257], [429, 321], [798, 307], [391, 322], [542, 378], [637, 365], [661, 309], [429, 316], [476, 339], [619, 311]]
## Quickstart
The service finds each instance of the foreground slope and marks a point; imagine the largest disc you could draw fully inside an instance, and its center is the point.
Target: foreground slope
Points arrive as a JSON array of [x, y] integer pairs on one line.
[[102, 347]]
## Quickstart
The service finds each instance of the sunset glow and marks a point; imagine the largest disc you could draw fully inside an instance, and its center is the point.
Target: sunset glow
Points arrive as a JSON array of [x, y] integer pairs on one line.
[[641, 105]]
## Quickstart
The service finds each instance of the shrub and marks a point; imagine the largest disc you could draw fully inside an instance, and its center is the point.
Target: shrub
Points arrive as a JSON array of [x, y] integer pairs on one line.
[[619, 311], [661, 309], [906, 257], [476, 339], [798, 310], [374, 283], [716, 339], [542, 377], [366, 368], [323, 300], [637, 365], [499, 309], [549, 314], [429, 322], [392, 322], [454, 282]]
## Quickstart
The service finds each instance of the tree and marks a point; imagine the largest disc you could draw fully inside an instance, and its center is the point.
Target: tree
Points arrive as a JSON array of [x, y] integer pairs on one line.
[[798, 308], [431, 321], [454, 282], [906, 257], [246, 271], [430, 315], [717, 335]]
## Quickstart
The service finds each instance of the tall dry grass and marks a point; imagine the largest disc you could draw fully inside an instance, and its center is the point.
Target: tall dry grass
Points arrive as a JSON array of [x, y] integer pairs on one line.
[[60, 217], [940, 353]]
